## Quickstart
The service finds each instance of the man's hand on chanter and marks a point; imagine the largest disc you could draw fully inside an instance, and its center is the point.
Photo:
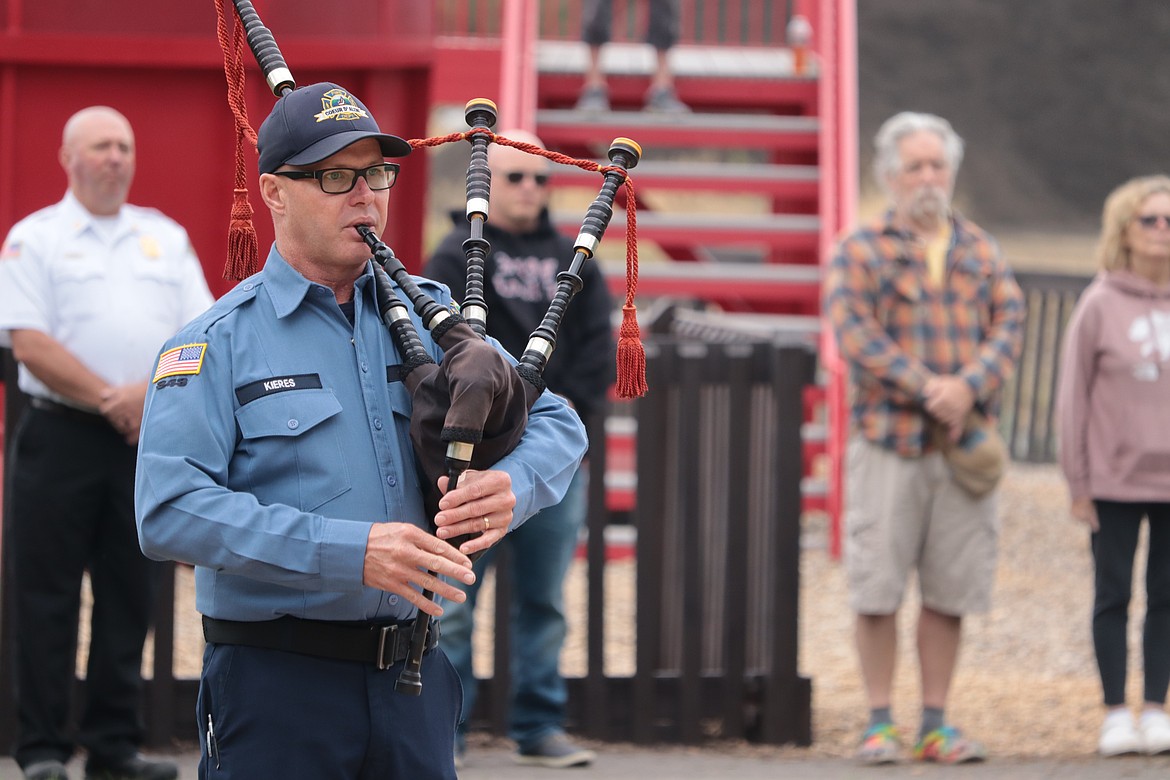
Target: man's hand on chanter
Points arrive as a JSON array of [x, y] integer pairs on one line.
[[400, 556], [481, 506]]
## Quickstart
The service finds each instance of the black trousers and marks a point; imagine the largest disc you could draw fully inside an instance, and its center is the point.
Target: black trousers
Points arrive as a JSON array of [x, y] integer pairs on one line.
[[661, 32], [1114, 547], [72, 510]]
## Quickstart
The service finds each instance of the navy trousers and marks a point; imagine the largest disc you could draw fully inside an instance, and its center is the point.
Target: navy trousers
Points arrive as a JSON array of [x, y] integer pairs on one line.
[[268, 713]]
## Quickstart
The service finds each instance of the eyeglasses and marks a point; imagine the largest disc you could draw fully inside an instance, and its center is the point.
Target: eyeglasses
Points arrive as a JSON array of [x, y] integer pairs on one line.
[[515, 177], [1150, 221], [338, 181]]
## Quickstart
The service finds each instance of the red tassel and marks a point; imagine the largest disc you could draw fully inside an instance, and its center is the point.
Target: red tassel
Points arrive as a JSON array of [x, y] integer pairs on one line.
[[243, 249], [631, 357], [242, 259]]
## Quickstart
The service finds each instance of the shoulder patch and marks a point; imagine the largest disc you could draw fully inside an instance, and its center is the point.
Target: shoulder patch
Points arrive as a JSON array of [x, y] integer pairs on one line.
[[185, 360]]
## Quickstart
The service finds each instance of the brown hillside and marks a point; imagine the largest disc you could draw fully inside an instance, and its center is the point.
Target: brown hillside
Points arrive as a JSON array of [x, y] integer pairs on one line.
[[1058, 100]]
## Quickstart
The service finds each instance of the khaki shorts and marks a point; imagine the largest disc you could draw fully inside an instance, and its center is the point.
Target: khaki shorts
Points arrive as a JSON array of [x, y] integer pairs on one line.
[[907, 514]]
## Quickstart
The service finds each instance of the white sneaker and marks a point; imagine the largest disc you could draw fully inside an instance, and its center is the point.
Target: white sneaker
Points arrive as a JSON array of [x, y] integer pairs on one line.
[[1155, 728], [1118, 735]]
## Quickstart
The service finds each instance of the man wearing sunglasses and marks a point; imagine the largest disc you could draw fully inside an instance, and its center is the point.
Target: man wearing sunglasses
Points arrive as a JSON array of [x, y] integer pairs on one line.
[[520, 274], [276, 457]]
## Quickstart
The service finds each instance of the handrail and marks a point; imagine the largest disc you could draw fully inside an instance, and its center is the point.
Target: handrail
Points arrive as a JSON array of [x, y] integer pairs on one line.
[[835, 34], [518, 65]]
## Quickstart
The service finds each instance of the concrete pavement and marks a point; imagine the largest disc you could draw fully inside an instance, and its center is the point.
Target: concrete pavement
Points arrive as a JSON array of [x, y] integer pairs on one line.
[[626, 762]]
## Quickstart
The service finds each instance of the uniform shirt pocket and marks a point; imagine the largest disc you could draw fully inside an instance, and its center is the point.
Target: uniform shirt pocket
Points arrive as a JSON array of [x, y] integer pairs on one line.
[[80, 288], [291, 449]]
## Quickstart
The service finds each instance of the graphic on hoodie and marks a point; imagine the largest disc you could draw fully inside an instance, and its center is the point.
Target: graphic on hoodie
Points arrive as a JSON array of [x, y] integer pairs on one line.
[[1152, 334], [531, 279]]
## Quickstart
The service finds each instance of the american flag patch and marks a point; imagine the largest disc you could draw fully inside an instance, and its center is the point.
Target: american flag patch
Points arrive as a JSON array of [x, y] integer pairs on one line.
[[187, 359]]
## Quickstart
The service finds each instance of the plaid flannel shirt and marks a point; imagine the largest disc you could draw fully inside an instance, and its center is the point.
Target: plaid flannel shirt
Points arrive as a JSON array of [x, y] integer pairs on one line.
[[896, 329]]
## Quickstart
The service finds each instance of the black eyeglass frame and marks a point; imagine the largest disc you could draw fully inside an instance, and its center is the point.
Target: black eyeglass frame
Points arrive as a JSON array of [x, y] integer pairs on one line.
[[516, 177], [391, 168]]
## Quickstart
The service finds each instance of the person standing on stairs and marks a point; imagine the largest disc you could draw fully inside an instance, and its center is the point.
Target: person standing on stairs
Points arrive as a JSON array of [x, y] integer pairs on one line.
[[928, 317], [661, 33]]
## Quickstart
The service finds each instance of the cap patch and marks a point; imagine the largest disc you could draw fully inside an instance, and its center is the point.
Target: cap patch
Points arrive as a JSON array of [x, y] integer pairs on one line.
[[339, 104]]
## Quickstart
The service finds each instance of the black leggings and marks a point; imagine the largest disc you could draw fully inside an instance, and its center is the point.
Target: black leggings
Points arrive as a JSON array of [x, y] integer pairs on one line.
[[1113, 552]]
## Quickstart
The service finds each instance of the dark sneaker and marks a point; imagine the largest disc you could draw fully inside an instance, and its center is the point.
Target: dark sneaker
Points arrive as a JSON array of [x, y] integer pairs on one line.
[[136, 767], [593, 99], [556, 752], [663, 100], [46, 770]]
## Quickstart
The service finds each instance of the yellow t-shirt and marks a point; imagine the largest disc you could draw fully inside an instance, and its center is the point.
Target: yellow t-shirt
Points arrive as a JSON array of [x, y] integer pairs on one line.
[[936, 254]]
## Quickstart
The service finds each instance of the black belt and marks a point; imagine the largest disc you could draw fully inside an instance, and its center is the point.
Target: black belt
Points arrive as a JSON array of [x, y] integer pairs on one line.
[[72, 412], [367, 643]]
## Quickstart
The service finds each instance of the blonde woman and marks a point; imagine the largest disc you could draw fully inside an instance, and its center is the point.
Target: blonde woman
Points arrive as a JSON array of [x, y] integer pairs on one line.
[[1114, 423]]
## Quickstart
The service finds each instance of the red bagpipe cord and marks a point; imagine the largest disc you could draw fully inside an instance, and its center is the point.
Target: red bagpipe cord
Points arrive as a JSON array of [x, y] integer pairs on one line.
[[631, 356], [243, 252]]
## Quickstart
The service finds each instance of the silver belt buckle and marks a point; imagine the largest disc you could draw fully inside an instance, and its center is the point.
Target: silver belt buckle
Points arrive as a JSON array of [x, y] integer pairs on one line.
[[387, 635]]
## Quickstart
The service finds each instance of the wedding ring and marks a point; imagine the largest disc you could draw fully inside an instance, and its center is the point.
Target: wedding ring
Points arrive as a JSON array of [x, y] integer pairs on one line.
[[486, 523]]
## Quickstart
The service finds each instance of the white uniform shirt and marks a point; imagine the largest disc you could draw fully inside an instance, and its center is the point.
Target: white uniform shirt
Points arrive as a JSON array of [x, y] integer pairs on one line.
[[110, 297]]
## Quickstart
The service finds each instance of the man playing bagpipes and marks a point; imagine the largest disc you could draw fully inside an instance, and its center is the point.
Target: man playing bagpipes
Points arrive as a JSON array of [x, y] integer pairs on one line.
[[276, 457]]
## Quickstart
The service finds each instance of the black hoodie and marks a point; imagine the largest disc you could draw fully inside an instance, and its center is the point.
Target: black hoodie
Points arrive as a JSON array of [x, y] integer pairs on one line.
[[520, 279]]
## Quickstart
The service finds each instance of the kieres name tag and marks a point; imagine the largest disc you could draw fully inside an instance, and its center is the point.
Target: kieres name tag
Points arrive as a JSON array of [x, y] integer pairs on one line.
[[277, 384]]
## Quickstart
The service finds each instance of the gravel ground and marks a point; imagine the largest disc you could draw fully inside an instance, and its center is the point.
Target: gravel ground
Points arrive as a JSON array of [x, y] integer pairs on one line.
[[1026, 683]]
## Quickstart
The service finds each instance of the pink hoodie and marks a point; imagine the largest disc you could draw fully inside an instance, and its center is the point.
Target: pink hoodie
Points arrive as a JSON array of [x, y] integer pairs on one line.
[[1113, 396]]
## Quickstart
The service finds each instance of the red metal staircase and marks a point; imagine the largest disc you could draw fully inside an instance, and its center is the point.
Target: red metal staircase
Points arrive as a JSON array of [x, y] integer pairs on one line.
[[739, 201]]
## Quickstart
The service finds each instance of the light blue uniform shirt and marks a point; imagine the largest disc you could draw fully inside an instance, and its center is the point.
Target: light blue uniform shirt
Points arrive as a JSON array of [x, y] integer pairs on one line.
[[267, 454]]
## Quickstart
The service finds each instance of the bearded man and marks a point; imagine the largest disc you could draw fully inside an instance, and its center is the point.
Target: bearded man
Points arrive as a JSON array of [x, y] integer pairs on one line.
[[928, 318]]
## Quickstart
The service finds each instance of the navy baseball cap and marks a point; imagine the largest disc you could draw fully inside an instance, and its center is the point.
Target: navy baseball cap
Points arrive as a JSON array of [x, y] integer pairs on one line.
[[311, 123]]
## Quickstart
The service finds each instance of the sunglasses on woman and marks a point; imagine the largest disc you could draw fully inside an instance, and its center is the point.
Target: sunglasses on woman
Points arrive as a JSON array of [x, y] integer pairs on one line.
[[1150, 221]]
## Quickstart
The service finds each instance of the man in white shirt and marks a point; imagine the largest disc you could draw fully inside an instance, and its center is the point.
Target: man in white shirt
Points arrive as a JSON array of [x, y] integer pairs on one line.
[[90, 288]]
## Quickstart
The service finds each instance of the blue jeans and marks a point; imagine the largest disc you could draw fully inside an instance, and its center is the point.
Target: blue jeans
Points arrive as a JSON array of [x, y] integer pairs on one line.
[[540, 553]]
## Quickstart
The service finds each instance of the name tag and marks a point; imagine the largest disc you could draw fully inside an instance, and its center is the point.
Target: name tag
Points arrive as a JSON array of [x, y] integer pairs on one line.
[[277, 384]]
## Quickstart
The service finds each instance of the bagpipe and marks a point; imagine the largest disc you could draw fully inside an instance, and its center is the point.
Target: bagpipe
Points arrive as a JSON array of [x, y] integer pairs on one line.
[[470, 409]]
